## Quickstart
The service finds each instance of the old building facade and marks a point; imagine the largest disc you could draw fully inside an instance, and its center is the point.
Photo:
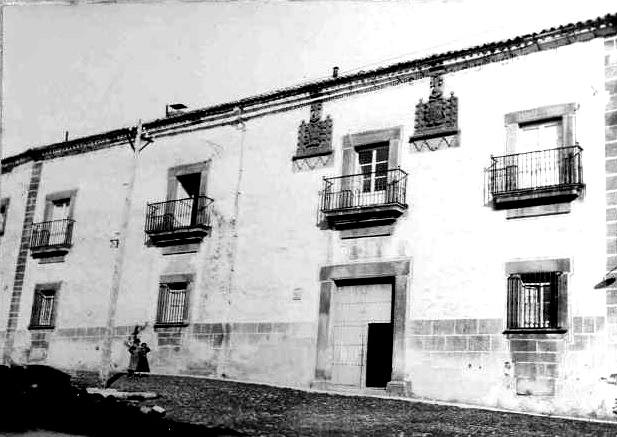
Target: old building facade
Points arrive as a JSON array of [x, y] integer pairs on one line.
[[434, 227]]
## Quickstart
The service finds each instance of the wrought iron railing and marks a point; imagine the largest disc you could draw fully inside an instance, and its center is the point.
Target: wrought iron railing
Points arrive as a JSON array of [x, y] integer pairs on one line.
[[364, 190], [53, 233], [541, 169], [175, 215]]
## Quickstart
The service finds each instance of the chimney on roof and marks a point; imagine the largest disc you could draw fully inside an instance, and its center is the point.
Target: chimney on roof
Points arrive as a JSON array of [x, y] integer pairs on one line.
[[335, 72], [66, 136], [174, 109]]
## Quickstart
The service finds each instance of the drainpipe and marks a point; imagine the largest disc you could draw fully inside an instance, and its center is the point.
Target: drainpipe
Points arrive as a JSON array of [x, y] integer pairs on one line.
[[241, 126], [116, 280]]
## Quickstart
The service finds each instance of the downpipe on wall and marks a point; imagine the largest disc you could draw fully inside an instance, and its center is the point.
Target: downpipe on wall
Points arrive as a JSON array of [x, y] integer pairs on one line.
[[116, 280], [240, 125]]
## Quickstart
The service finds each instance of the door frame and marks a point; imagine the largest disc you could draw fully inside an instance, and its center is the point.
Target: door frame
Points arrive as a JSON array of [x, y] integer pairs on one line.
[[398, 272]]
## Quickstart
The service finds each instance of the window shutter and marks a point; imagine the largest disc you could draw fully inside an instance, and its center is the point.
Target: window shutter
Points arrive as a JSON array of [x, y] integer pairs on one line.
[[514, 291], [162, 304], [36, 309], [52, 316], [560, 296], [185, 313]]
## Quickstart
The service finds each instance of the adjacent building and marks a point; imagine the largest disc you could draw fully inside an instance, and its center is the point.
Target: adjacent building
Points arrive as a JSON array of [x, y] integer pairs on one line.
[[436, 228]]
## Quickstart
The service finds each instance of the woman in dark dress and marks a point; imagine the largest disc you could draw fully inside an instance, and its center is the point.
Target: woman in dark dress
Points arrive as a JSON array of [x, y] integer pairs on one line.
[[142, 359], [134, 353]]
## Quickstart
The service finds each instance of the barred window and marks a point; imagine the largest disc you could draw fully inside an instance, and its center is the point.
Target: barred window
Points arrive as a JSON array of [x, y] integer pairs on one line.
[[533, 300], [43, 308], [173, 303]]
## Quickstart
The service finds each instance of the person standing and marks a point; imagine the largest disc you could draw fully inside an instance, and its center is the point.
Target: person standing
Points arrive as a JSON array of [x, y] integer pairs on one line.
[[134, 356], [142, 359]]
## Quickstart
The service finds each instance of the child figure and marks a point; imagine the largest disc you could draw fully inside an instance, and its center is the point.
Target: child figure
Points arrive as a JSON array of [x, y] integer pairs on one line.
[[142, 359]]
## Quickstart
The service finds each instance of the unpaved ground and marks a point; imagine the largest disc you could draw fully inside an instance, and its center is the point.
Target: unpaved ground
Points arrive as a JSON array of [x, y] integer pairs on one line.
[[261, 410]]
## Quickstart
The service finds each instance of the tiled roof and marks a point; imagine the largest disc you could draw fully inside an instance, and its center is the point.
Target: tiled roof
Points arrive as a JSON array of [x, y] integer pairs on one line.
[[289, 98]]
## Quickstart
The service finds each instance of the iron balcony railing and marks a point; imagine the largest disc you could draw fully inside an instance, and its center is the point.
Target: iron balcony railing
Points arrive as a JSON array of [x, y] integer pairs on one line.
[[176, 215], [543, 169], [53, 233], [364, 190]]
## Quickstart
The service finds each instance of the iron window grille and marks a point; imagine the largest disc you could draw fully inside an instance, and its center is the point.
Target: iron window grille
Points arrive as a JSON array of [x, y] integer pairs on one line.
[[53, 233], [172, 306], [43, 309], [533, 300]]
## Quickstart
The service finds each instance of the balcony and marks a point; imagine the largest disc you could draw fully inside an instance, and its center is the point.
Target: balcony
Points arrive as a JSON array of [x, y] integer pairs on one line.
[[361, 200], [536, 178], [182, 221], [51, 238]]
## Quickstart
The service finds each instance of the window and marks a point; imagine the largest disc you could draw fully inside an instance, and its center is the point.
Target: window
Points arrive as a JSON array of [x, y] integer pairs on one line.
[[53, 236], [540, 135], [4, 209], [60, 205], [186, 205], [370, 193], [541, 128], [60, 209], [374, 168], [541, 170], [173, 303], [534, 300], [44, 306]]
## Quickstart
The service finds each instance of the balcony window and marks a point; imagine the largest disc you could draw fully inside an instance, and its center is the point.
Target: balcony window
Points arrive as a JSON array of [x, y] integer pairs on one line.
[[52, 238], [371, 190], [375, 197], [184, 218], [542, 165], [51, 235], [536, 177], [178, 215]]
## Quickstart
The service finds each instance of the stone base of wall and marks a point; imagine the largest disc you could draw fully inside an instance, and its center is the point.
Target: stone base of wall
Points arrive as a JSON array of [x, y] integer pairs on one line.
[[537, 361], [456, 359], [472, 361], [586, 332], [266, 351], [450, 335]]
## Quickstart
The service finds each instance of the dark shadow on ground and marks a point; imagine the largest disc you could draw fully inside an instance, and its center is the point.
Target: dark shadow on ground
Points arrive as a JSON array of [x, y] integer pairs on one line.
[[41, 397]]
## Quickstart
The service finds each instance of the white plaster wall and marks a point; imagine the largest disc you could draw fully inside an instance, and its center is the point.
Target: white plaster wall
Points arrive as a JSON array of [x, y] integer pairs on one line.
[[14, 185], [458, 245], [86, 273]]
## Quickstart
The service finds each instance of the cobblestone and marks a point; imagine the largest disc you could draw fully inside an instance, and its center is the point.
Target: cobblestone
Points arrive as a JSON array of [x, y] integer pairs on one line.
[[255, 409]]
